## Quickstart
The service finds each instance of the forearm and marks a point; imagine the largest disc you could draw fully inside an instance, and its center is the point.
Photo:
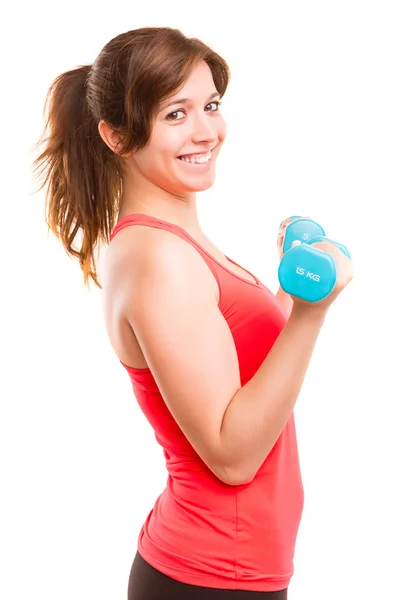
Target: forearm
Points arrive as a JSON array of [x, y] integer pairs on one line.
[[259, 411], [285, 300]]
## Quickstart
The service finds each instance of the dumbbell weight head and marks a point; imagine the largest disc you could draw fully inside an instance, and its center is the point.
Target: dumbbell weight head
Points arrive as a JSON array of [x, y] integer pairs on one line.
[[301, 229], [291, 218], [307, 272]]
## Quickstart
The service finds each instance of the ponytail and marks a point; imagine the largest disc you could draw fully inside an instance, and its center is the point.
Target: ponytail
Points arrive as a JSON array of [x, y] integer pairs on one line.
[[80, 172]]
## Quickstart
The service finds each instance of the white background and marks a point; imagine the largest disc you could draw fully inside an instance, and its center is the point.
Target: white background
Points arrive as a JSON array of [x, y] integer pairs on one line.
[[314, 129]]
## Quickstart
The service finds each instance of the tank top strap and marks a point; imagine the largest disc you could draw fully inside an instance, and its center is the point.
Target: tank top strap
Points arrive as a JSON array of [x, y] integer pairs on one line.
[[150, 221]]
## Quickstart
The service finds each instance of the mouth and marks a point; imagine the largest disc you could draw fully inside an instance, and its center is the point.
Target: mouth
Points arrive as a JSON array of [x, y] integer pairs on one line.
[[200, 158]]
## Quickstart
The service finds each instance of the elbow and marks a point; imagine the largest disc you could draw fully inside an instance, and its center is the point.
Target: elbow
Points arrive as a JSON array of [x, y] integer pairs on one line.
[[232, 471], [233, 477]]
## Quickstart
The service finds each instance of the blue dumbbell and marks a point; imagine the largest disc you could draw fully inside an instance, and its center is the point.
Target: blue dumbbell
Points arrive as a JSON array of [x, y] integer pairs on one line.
[[300, 229], [305, 271], [294, 217]]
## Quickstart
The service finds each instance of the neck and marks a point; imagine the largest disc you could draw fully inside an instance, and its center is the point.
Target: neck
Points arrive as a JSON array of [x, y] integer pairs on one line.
[[152, 200]]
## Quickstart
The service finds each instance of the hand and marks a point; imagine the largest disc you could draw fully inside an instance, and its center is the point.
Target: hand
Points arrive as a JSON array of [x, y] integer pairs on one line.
[[344, 274], [281, 234]]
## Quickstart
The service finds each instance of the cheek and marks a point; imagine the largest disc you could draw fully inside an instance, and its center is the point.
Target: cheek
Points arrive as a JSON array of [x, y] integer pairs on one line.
[[167, 148], [153, 158], [155, 162]]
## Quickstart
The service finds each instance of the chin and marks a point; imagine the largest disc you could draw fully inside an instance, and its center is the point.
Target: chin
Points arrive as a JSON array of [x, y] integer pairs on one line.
[[198, 186]]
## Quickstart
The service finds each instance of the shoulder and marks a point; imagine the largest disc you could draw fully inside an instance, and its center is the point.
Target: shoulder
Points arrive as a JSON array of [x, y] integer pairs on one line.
[[140, 254]]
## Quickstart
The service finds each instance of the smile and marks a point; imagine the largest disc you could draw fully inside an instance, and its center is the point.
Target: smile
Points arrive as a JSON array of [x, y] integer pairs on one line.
[[197, 159]]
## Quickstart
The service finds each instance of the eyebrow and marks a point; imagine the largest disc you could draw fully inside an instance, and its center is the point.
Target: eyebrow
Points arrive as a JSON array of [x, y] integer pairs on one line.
[[184, 100]]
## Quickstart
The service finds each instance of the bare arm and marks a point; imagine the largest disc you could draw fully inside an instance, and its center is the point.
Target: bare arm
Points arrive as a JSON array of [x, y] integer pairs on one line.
[[173, 310], [285, 300], [259, 411]]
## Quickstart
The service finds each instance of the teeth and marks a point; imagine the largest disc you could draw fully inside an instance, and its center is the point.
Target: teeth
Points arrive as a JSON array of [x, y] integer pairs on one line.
[[197, 158]]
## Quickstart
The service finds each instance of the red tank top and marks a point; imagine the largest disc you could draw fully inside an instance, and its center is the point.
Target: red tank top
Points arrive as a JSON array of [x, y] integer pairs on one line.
[[200, 530]]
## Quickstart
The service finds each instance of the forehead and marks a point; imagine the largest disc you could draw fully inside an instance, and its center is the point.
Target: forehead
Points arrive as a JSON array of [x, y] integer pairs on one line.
[[199, 83]]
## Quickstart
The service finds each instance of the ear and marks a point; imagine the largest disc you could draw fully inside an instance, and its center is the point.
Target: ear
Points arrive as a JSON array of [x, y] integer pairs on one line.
[[110, 137]]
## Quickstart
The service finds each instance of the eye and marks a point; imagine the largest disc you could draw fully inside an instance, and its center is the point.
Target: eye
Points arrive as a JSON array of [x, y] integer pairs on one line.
[[172, 116], [216, 103]]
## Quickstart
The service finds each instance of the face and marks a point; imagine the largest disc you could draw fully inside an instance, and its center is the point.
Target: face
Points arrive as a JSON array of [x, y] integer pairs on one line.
[[186, 138]]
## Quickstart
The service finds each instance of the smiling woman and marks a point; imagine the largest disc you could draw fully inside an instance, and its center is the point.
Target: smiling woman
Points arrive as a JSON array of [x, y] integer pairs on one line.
[[215, 365]]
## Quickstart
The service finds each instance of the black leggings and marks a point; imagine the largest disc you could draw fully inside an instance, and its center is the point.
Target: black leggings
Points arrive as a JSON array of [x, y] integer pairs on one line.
[[146, 583]]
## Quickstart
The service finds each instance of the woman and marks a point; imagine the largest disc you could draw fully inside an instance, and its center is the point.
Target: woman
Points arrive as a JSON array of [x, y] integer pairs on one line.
[[216, 360]]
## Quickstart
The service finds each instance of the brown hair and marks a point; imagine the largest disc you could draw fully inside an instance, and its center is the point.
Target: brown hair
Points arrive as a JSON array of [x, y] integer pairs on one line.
[[132, 75]]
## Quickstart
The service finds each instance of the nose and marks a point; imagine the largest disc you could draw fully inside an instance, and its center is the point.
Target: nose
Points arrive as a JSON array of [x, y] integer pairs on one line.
[[204, 129]]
